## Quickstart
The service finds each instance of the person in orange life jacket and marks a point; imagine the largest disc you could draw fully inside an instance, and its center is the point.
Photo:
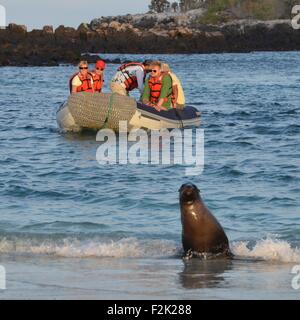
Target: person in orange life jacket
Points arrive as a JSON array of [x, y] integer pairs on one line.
[[98, 76], [83, 80], [158, 88], [130, 76]]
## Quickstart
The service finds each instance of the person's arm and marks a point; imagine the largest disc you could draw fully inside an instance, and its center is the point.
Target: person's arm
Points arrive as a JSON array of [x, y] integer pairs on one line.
[[146, 93], [159, 106], [166, 85], [175, 94], [75, 83]]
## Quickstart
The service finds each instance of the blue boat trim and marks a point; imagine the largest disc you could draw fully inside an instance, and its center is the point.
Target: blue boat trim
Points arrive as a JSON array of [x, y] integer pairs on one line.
[[188, 113]]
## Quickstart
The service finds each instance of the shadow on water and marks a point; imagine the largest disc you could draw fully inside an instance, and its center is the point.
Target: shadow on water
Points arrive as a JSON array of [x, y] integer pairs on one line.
[[199, 273], [88, 135]]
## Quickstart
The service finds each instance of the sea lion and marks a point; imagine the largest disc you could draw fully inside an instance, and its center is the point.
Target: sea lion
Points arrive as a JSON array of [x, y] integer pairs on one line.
[[202, 234]]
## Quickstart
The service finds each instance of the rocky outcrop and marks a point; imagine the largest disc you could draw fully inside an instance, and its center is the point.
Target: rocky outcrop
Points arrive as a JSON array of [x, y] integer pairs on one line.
[[15, 28], [48, 30], [148, 33]]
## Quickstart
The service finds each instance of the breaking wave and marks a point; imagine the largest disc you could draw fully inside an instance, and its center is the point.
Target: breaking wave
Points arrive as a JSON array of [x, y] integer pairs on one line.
[[127, 247], [267, 249]]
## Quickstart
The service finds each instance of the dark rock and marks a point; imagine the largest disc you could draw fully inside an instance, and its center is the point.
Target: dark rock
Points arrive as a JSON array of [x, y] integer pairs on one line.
[[65, 31], [92, 58], [15, 28], [146, 23], [48, 30], [140, 34], [83, 28]]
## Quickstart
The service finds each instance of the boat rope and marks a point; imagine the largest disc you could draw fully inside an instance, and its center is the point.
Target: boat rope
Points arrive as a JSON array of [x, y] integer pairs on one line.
[[109, 110], [179, 118]]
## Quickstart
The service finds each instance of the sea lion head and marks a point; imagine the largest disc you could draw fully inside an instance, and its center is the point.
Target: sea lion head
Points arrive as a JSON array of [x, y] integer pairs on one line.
[[188, 192]]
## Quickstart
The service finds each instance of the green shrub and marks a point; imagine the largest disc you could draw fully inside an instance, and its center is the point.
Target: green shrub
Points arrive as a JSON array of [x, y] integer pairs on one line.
[[213, 14], [218, 11]]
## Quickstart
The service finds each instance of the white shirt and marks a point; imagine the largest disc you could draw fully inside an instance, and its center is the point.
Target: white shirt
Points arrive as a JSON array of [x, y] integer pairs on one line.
[[76, 82], [136, 71], [176, 82]]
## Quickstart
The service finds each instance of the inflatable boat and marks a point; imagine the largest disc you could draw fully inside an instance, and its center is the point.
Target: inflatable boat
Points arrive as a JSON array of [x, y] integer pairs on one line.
[[94, 111]]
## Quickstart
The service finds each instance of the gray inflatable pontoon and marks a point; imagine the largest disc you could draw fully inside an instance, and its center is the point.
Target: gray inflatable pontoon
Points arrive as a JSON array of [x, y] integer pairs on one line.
[[95, 111]]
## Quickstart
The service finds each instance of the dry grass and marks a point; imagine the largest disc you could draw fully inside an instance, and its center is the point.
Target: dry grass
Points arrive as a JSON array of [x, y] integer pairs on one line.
[[219, 11]]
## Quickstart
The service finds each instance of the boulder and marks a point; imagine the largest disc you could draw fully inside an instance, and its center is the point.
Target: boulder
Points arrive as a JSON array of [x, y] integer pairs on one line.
[[65, 31], [115, 25], [146, 22], [15, 28], [48, 30], [83, 28]]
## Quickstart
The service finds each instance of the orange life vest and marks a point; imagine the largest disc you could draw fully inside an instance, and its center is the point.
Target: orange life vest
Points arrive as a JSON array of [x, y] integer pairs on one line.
[[86, 83], [97, 81], [155, 85], [130, 80]]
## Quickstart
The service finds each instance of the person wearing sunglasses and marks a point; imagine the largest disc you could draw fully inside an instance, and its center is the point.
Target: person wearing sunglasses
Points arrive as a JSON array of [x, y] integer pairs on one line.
[[158, 88], [130, 76], [82, 81], [98, 75]]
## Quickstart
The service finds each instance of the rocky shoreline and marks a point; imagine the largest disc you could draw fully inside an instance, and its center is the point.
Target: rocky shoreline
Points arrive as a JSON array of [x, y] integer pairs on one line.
[[149, 33]]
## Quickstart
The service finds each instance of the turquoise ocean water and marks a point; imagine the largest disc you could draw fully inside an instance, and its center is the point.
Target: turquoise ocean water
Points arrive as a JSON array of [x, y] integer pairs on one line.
[[70, 228]]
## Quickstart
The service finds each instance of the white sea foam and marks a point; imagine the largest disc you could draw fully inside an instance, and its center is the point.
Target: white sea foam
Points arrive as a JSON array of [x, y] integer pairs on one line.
[[268, 249], [127, 247]]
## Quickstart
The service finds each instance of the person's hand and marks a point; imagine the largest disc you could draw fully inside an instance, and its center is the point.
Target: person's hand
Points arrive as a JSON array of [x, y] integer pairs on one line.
[[148, 103], [163, 108], [159, 108]]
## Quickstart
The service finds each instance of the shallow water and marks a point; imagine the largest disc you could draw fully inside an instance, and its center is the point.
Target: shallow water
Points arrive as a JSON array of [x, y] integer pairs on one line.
[[70, 228]]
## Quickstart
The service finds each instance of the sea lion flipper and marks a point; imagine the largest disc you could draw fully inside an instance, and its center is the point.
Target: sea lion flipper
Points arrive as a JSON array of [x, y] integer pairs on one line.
[[188, 255]]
